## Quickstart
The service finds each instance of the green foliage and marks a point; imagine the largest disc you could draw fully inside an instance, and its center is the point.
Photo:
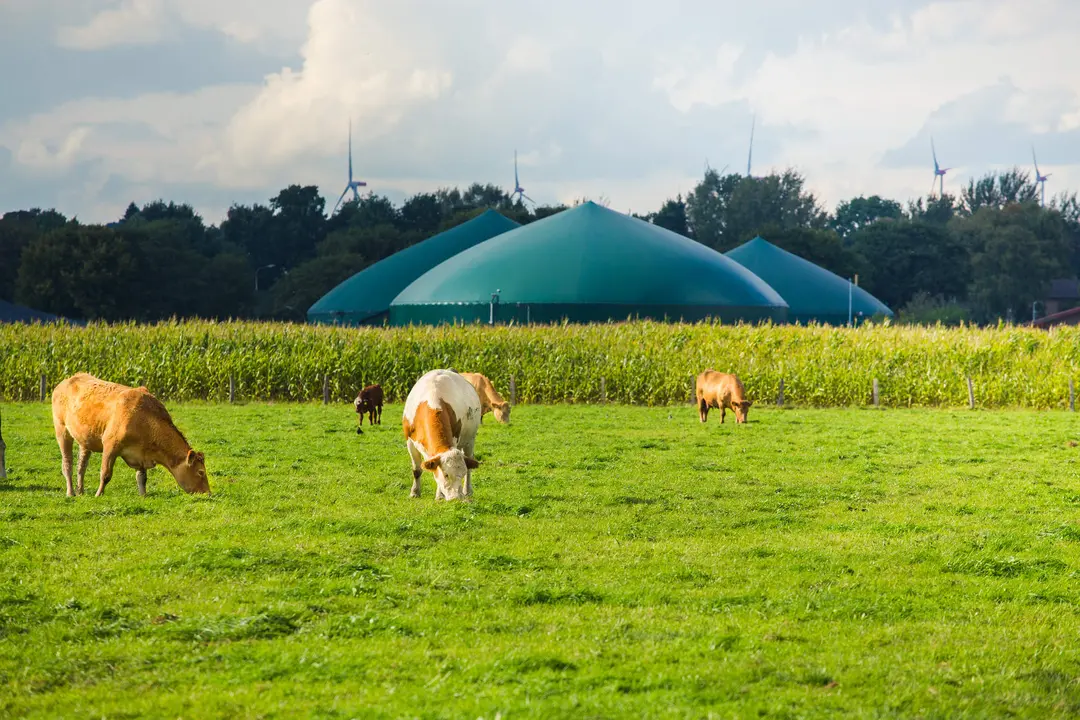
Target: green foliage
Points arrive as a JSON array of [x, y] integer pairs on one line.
[[858, 213], [644, 363], [726, 211], [927, 309], [906, 257], [616, 563]]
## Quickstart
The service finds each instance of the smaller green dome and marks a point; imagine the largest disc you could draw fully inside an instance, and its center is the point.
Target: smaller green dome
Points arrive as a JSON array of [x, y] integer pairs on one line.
[[812, 292], [367, 294]]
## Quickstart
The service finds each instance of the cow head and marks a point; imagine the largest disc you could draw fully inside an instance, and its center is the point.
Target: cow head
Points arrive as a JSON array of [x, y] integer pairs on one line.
[[502, 412], [741, 410], [362, 403], [190, 474], [450, 469]]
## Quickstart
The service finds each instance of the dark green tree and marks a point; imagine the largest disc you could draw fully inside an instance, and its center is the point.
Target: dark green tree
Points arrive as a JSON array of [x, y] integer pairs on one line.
[[857, 213]]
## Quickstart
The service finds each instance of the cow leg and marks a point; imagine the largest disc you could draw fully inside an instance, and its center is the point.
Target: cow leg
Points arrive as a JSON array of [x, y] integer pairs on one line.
[[723, 411], [84, 460], [703, 410], [108, 458], [140, 478], [417, 469], [66, 443]]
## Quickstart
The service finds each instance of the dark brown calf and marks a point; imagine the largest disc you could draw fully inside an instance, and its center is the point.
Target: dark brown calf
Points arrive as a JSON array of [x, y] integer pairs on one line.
[[370, 401]]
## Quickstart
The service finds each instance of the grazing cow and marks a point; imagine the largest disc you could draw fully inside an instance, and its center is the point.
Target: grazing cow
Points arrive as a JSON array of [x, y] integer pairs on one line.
[[490, 400], [442, 415], [721, 390], [3, 448], [121, 422], [370, 401]]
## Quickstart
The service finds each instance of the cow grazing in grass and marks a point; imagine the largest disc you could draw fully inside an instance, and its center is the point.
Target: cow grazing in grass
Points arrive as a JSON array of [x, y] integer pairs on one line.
[[490, 400], [442, 415], [121, 422], [721, 390], [3, 449], [370, 401]]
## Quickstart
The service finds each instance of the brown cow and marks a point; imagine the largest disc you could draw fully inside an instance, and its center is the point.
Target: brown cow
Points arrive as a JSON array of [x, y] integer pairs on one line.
[[721, 390], [121, 422], [490, 400], [370, 401]]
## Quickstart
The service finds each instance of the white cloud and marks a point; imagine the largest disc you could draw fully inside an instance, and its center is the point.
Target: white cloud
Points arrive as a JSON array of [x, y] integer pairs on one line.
[[624, 101], [131, 22], [355, 65]]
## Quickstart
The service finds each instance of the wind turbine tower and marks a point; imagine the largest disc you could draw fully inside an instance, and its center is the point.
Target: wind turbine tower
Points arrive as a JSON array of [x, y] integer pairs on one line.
[[1040, 179], [518, 190], [352, 184], [939, 172], [750, 155]]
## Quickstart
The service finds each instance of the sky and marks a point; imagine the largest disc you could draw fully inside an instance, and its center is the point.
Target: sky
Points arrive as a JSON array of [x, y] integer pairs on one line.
[[216, 102]]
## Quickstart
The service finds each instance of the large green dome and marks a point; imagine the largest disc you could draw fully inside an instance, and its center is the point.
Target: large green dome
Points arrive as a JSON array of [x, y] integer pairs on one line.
[[812, 292], [365, 297], [587, 264]]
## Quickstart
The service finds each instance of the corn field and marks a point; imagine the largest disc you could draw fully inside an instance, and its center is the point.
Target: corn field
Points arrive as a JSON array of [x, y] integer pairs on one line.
[[644, 363]]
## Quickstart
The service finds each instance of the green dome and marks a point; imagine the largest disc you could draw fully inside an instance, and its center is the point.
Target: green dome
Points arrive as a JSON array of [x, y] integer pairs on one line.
[[587, 264], [366, 296], [812, 292]]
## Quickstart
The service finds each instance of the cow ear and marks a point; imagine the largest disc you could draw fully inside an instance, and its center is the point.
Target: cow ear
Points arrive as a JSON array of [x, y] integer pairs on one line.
[[190, 457], [471, 463], [748, 403], [430, 464]]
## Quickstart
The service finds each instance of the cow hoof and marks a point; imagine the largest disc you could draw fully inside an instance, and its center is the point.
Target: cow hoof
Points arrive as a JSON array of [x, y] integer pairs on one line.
[[414, 494]]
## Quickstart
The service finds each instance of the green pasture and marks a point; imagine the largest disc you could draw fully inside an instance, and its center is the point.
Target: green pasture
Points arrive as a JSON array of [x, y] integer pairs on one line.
[[617, 562]]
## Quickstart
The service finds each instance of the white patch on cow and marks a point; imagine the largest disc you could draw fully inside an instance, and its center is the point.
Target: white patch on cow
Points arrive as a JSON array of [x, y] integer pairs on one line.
[[446, 387]]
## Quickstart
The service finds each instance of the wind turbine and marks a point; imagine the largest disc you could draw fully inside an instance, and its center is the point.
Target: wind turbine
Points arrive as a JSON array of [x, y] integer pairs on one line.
[[518, 190], [352, 184], [939, 172], [750, 155], [1039, 178]]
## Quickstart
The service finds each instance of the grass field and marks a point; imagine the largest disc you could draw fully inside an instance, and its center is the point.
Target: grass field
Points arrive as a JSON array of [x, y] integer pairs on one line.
[[617, 562]]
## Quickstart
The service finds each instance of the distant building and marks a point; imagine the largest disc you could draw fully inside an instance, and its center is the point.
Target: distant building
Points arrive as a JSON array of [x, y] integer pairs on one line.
[[1064, 294], [1064, 317]]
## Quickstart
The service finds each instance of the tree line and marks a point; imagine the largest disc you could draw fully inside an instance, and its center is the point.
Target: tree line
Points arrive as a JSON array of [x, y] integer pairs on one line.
[[981, 256]]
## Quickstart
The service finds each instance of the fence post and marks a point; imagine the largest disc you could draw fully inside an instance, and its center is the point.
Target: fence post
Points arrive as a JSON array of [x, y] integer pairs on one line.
[[325, 389], [513, 391], [877, 402], [232, 388], [44, 388], [603, 390], [1072, 397], [971, 394], [780, 396]]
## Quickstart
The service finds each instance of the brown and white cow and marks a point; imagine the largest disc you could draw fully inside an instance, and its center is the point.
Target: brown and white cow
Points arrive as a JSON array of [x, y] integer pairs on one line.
[[441, 417], [721, 390], [490, 400], [121, 422], [370, 401]]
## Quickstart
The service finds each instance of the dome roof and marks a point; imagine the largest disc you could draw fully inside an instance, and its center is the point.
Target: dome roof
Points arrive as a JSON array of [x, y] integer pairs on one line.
[[587, 264], [812, 292], [367, 294]]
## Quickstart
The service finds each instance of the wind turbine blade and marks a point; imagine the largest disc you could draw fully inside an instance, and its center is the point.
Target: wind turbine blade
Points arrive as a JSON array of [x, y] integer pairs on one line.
[[340, 198], [528, 198]]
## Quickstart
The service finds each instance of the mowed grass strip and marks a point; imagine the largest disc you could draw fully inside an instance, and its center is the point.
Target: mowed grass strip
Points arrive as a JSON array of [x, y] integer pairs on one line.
[[617, 562]]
